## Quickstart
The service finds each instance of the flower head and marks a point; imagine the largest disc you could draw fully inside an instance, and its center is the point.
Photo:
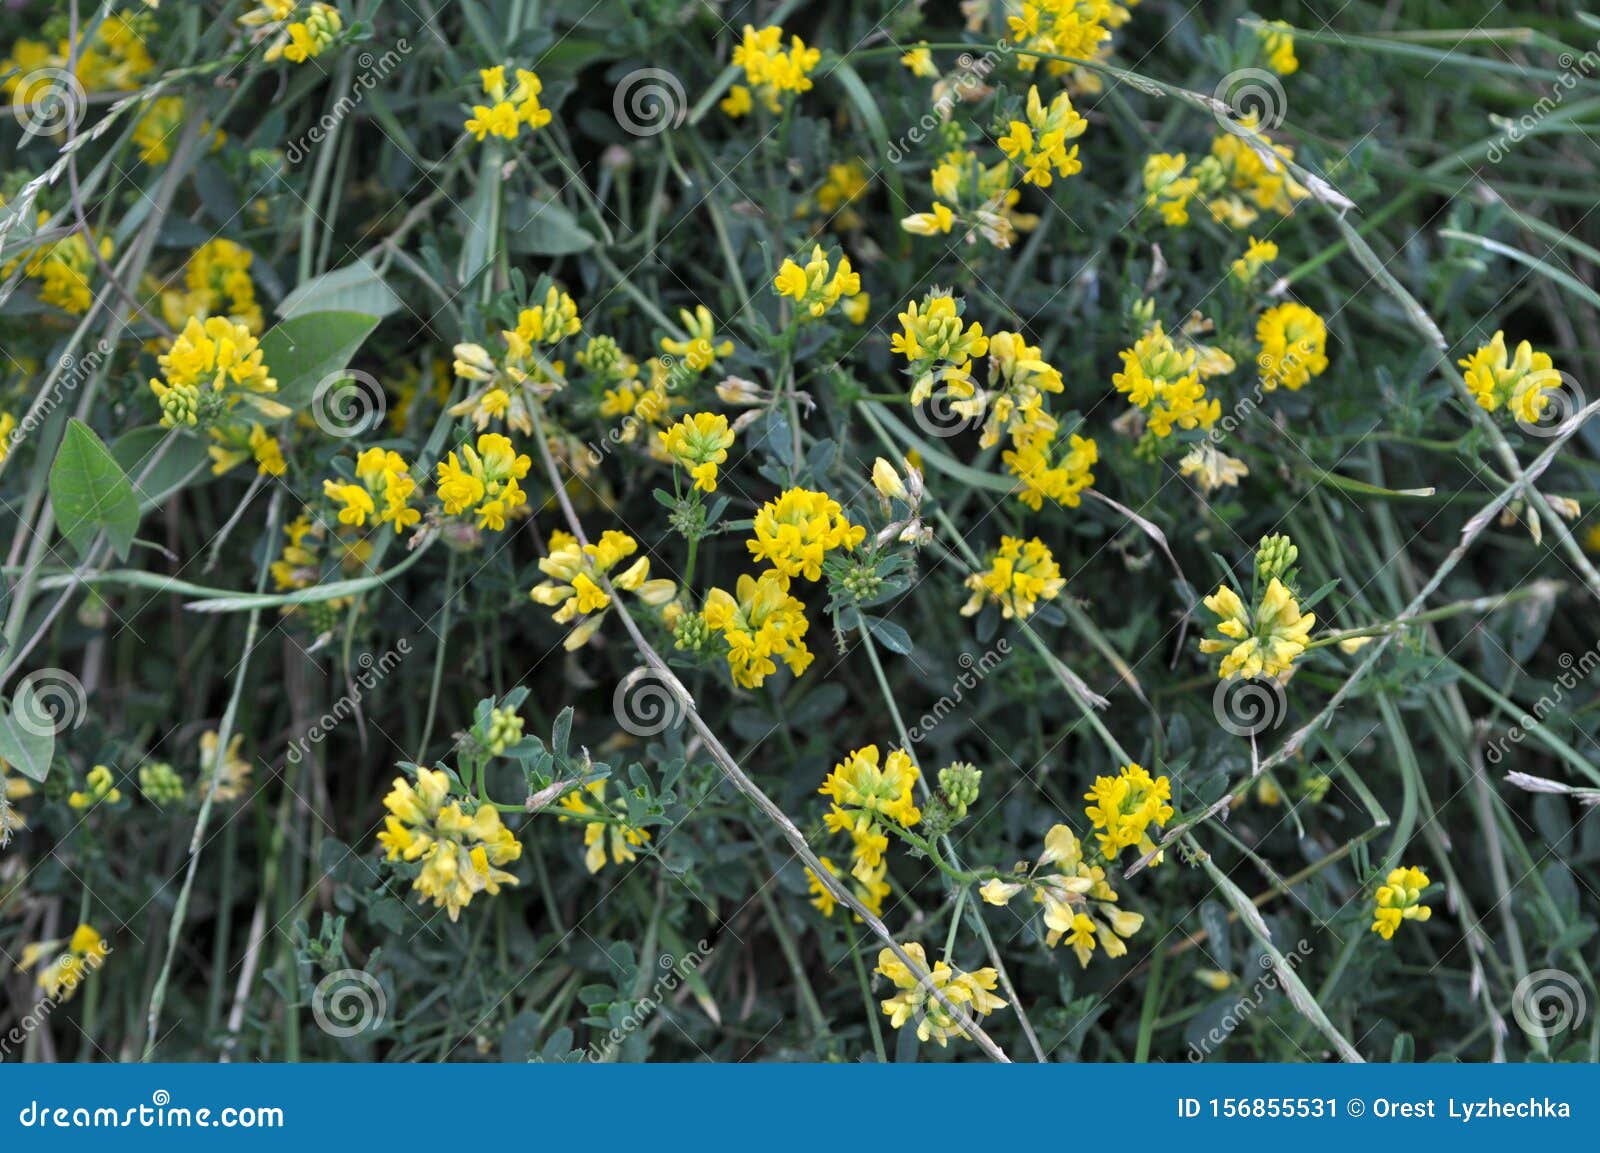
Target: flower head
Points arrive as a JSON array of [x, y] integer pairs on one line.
[[795, 532], [509, 111], [1294, 344], [1519, 382], [1264, 642], [972, 993], [820, 284], [701, 350], [606, 828], [1398, 899], [759, 621], [1021, 573], [575, 572], [699, 443], [459, 842], [483, 481]]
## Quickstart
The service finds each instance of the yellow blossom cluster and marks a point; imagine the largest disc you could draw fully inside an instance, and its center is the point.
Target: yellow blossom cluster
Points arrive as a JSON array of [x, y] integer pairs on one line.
[[212, 371], [606, 828], [115, 58], [1277, 42], [759, 620], [870, 892], [1399, 899], [215, 282], [1294, 346], [699, 443], [1257, 255], [74, 959], [1165, 383], [972, 993], [864, 795], [509, 110], [482, 482], [981, 199], [1124, 808], [1168, 188], [575, 571], [99, 786], [819, 285], [1039, 143], [770, 70], [1239, 179], [299, 565], [382, 477], [1021, 573], [63, 269], [1263, 641], [159, 125], [1080, 29], [298, 32], [702, 348], [795, 533], [460, 843], [1519, 383]]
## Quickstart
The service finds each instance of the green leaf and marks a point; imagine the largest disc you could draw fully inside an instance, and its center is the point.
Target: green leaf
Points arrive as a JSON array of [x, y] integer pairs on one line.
[[26, 749], [181, 461], [892, 635], [545, 228], [91, 493], [303, 352], [354, 288]]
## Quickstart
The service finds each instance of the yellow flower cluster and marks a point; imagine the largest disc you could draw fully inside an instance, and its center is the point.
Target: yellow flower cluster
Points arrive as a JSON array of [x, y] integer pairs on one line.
[[81, 954], [1080, 906], [1212, 469], [1248, 183], [819, 285], [770, 71], [214, 366], [605, 826], [1167, 188], [981, 198], [699, 443], [972, 993], [216, 282], [381, 475], [937, 345], [1165, 383], [1125, 806], [702, 349], [509, 110], [298, 32], [100, 785], [162, 119], [299, 565], [759, 621], [1277, 41], [1021, 573], [63, 268], [869, 891], [506, 390], [225, 774], [483, 481], [795, 533], [460, 849], [574, 587], [1519, 383], [1257, 255], [1050, 470], [1399, 899], [843, 185], [1294, 346], [1076, 28], [1039, 143], [863, 795], [114, 58], [644, 405], [1264, 642]]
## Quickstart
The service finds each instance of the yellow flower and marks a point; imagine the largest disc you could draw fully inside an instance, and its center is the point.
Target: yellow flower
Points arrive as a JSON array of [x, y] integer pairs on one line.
[[1080, 907], [575, 573], [309, 37], [1166, 187], [100, 786], [1265, 643], [8, 425], [857, 782], [737, 102], [63, 268], [919, 61], [460, 848], [1399, 899], [216, 282], [796, 532], [1021, 573], [702, 349], [1166, 384], [212, 367], [228, 776], [508, 112], [1039, 144], [1519, 383], [605, 826], [1246, 182], [1212, 469], [887, 481], [1277, 41], [819, 285], [1064, 28], [1044, 476], [769, 69], [1259, 253], [81, 954], [380, 475], [160, 123], [700, 443], [1125, 806], [972, 993], [936, 222], [1293, 346], [932, 335], [761, 622], [484, 481], [870, 891]]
